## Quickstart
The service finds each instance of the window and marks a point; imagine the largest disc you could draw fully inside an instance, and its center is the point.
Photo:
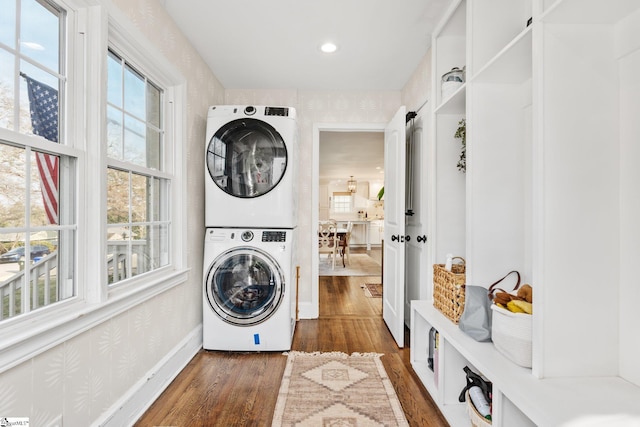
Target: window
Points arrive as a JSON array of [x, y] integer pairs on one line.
[[79, 247], [37, 172], [138, 187], [342, 202]]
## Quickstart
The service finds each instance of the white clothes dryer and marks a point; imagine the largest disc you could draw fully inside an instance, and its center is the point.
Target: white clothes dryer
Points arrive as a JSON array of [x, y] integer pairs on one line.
[[251, 164], [249, 292]]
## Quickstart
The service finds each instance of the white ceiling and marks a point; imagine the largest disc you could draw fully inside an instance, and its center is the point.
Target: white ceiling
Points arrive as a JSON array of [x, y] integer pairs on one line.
[[274, 44]]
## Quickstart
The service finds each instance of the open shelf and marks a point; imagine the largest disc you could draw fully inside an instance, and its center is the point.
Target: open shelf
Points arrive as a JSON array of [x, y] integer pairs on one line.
[[454, 104], [550, 190], [525, 400], [513, 64], [495, 24], [449, 47]]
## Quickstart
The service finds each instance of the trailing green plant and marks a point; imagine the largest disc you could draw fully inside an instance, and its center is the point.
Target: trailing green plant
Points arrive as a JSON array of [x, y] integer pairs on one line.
[[461, 133]]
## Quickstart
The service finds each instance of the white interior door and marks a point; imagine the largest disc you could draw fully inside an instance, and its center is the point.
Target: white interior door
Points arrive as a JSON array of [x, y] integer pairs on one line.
[[394, 224]]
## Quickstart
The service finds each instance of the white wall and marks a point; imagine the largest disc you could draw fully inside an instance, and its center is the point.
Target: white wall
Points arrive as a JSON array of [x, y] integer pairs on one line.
[[628, 42]]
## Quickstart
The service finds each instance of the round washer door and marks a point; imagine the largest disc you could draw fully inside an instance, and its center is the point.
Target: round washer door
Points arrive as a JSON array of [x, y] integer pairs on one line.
[[244, 286], [246, 158]]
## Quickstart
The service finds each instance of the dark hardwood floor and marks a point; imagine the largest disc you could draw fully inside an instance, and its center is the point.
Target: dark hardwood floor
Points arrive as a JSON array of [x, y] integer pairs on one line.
[[240, 389]]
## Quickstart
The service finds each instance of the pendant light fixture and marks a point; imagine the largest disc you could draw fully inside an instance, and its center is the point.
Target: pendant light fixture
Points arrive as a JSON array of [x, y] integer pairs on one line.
[[352, 185]]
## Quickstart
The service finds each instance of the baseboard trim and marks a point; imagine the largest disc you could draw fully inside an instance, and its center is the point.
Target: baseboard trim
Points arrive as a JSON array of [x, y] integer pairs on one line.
[[134, 403], [307, 310]]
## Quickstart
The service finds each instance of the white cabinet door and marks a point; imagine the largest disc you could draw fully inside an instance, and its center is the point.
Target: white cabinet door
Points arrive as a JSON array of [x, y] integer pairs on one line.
[[394, 177]]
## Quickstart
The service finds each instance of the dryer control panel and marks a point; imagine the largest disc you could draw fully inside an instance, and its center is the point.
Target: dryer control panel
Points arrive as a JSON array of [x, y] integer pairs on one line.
[[276, 111], [274, 236]]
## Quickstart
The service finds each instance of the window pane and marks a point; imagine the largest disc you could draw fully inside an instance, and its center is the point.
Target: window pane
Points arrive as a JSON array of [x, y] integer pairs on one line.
[[44, 269], [153, 105], [114, 85], [156, 196], [39, 108], [141, 248], [40, 34], [156, 249], [134, 141], [118, 258], [6, 90], [114, 133], [153, 148], [134, 93], [13, 186], [44, 189], [8, 23], [139, 198], [117, 196]]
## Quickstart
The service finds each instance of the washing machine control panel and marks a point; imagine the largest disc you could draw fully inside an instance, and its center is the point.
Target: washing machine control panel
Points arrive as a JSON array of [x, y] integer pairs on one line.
[[247, 236], [274, 236]]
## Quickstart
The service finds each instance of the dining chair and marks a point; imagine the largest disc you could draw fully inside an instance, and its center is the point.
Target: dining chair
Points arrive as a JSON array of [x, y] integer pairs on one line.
[[344, 244], [328, 240]]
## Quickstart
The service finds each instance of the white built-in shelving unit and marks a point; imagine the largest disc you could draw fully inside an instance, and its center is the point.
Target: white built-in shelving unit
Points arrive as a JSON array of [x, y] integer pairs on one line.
[[551, 190]]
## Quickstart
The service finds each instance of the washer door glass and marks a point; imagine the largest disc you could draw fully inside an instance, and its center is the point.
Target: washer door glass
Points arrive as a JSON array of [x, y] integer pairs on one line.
[[246, 158], [244, 286]]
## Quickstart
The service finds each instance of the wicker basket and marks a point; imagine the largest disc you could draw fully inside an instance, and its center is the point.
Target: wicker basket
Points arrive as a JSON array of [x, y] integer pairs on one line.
[[477, 420], [448, 289], [511, 335]]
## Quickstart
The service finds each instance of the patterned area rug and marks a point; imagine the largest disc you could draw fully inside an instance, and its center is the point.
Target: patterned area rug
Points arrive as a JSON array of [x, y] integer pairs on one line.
[[372, 290], [361, 265], [335, 389]]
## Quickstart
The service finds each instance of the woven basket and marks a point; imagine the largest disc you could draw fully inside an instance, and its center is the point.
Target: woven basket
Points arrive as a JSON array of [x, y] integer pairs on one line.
[[477, 420], [448, 290], [511, 335]]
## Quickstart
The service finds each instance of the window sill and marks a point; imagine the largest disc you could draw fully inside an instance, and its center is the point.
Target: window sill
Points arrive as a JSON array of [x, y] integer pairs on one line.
[[33, 335]]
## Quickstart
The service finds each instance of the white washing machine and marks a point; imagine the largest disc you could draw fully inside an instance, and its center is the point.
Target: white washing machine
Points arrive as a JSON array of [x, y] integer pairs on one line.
[[251, 167], [249, 289]]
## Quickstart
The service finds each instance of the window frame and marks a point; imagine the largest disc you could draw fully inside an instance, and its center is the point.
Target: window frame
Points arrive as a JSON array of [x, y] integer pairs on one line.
[[92, 26]]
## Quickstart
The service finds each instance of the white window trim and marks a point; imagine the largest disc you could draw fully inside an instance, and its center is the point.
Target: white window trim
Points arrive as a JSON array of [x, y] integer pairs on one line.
[[98, 26]]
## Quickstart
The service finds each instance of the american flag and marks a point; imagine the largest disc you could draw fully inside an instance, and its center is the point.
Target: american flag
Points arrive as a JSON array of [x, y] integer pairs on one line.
[[43, 105]]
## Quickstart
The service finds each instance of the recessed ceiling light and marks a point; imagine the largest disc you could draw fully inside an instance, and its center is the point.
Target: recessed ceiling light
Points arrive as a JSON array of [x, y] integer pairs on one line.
[[328, 47]]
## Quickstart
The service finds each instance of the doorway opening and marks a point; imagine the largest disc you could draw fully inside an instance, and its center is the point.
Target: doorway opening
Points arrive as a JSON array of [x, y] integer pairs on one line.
[[345, 153]]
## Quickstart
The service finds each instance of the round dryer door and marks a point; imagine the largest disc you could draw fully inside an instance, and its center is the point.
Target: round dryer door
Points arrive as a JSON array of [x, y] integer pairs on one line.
[[244, 286], [246, 158]]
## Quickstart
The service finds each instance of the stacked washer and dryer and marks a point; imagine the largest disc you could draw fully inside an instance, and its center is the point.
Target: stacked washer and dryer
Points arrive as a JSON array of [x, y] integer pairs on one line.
[[249, 293]]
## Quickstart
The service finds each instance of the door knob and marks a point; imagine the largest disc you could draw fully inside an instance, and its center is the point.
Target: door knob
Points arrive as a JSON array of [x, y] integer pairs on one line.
[[422, 239], [395, 238]]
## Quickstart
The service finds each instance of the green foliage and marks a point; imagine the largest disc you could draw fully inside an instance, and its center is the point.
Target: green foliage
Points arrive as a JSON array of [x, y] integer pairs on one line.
[[461, 133], [381, 193]]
